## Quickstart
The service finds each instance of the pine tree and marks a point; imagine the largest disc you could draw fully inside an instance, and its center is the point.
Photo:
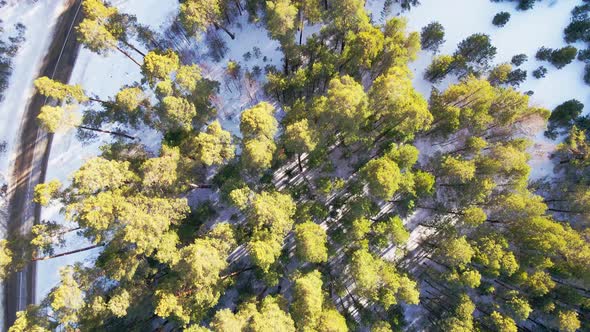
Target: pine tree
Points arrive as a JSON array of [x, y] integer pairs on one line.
[[269, 216], [432, 36], [211, 147], [281, 15], [332, 321], [383, 177], [311, 242], [308, 298], [196, 15], [161, 173], [59, 91], [104, 28], [259, 121], [569, 321], [379, 281], [457, 252], [196, 287], [362, 49], [300, 137], [130, 99], [461, 319], [67, 299], [398, 105], [178, 113], [159, 65], [258, 127], [502, 323], [349, 15], [346, 110], [266, 316], [518, 306]]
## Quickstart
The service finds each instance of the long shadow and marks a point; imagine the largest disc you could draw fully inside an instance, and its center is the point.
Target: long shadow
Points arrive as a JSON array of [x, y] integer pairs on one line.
[[29, 167]]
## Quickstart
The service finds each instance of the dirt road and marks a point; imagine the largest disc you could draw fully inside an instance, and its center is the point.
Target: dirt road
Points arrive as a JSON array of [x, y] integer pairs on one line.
[[32, 155]]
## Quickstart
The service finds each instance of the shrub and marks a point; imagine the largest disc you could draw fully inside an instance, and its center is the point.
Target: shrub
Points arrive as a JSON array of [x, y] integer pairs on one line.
[[432, 36], [544, 54], [563, 116], [516, 77], [540, 72], [563, 56], [501, 19], [584, 55], [519, 59], [587, 74]]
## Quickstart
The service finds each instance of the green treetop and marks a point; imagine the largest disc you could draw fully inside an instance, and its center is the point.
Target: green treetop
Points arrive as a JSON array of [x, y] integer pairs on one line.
[[269, 216], [383, 177], [311, 242], [178, 112], [300, 137], [211, 147], [461, 320], [308, 300], [158, 66], [259, 121], [379, 281], [395, 102], [281, 15], [346, 108], [59, 91], [268, 316]]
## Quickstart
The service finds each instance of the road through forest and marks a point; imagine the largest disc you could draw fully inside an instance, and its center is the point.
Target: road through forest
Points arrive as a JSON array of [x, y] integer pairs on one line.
[[31, 157]]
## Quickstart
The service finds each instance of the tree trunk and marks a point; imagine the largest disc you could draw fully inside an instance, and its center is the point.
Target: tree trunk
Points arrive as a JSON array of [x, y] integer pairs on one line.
[[67, 253], [286, 65], [201, 186], [219, 26], [131, 46], [299, 163], [301, 26], [301, 34], [239, 6], [127, 55], [104, 102], [227, 17], [555, 200], [114, 133], [238, 272]]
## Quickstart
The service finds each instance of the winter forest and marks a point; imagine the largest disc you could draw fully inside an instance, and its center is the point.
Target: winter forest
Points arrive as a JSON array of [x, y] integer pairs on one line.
[[295, 165]]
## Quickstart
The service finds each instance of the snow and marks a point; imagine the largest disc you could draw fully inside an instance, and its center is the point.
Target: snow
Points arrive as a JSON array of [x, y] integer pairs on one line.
[[39, 18], [237, 95], [525, 33]]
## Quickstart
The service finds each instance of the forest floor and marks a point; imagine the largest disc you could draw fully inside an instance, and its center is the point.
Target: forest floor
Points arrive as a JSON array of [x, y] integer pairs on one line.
[[32, 153]]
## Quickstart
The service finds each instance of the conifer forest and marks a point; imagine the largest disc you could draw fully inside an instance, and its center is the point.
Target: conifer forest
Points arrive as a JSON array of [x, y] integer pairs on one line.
[[294, 165]]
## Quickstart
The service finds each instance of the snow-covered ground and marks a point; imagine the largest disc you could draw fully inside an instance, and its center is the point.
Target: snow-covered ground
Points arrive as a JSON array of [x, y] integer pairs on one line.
[[525, 33], [237, 95], [39, 17]]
